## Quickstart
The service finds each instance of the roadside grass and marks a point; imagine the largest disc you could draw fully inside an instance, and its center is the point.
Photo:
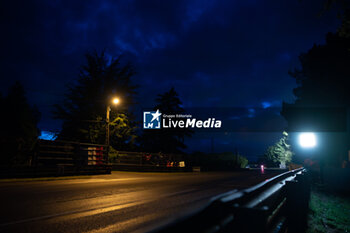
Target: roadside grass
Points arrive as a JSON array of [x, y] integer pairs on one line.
[[328, 212]]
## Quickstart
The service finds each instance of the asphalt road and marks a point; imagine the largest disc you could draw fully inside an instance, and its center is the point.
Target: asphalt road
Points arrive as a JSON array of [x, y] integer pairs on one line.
[[121, 202]]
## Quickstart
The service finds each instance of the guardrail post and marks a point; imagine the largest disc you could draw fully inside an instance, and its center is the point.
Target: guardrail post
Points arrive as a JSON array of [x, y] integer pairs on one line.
[[250, 220], [298, 194]]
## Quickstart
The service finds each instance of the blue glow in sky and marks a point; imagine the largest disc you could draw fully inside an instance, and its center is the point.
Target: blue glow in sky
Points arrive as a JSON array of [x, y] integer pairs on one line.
[[47, 135], [266, 104]]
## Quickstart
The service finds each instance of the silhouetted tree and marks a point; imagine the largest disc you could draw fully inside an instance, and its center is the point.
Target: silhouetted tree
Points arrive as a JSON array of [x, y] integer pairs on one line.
[[168, 140], [322, 84], [84, 109], [19, 130], [343, 7], [344, 30], [323, 77]]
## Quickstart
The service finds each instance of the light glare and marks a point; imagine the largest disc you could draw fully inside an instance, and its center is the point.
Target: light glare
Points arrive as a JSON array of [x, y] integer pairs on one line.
[[115, 101], [307, 140]]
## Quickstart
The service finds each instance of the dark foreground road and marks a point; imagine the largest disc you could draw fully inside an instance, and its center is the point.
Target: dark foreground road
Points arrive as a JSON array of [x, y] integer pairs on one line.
[[121, 202]]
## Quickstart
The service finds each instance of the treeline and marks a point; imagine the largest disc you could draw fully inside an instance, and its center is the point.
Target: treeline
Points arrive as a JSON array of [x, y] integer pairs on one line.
[[83, 113], [83, 110], [83, 116], [18, 124], [217, 161]]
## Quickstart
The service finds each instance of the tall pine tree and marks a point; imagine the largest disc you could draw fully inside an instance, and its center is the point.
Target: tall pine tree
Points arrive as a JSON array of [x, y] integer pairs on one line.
[[84, 109]]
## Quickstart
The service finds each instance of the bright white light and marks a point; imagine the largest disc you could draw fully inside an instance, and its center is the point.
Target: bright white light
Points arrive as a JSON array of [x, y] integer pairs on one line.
[[307, 140], [115, 101]]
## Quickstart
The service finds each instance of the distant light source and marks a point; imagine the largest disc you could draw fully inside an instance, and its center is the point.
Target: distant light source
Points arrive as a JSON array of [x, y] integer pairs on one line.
[[262, 168], [115, 100], [307, 140], [47, 135], [266, 104]]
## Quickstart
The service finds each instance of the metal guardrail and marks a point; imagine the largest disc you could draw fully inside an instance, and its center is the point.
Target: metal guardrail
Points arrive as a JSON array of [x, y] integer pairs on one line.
[[80, 154], [279, 204], [58, 158], [53, 153], [60, 170]]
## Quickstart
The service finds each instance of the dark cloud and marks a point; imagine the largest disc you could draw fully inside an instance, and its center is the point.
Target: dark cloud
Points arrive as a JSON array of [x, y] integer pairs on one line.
[[215, 53]]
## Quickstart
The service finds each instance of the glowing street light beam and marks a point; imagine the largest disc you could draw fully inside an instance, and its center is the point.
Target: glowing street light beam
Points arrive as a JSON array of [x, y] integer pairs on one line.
[[307, 140], [115, 100]]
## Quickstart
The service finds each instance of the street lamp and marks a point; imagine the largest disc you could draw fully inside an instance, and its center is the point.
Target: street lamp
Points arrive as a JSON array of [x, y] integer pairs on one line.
[[114, 101], [307, 140]]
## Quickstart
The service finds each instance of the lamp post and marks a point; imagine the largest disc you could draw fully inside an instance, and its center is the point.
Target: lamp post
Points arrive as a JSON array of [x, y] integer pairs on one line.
[[114, 101], [308, 141]]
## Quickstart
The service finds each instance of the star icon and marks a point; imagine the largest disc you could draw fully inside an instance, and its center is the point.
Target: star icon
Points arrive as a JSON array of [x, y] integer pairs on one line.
[[156, 115]]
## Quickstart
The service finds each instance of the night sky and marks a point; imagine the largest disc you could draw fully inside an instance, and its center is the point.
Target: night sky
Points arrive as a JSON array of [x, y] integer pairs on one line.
[[215, 53]]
